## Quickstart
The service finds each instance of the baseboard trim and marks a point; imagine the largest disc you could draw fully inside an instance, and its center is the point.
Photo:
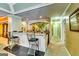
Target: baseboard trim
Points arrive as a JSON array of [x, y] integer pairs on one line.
[[67, 51]]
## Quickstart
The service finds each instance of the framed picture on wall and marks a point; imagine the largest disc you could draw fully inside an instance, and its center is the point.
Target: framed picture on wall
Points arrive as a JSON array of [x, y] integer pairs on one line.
[[74, 21]]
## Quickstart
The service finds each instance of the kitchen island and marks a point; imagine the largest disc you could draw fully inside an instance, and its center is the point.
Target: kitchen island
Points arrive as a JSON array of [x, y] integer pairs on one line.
[[23, 39]]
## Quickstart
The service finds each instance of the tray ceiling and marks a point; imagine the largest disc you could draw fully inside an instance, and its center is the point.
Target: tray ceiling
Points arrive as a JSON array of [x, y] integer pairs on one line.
[[15, 8]]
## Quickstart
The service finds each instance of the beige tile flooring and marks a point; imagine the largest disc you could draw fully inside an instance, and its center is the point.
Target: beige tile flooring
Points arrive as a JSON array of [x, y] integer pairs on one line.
[[52, 50], [3, 51], [56, 50], [3, 43]]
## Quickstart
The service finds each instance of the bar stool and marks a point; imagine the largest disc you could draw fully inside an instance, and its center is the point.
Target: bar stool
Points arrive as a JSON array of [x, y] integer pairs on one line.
[[12, 40], [35, 40], [32, 40]]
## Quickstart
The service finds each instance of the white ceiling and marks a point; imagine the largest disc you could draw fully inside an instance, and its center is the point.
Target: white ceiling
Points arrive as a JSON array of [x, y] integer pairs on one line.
[[53, 10], [33, 10], [15, 8]]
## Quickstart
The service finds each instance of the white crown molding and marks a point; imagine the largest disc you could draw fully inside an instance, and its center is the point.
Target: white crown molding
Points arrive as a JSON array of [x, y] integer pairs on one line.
[[34, 7], [26, 9], [66, 9], [11, 8], [5, 10], [62, 24], [11, 4]]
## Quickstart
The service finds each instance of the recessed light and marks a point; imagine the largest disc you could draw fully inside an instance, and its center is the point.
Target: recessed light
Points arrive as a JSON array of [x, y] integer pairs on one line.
[[41, 16]]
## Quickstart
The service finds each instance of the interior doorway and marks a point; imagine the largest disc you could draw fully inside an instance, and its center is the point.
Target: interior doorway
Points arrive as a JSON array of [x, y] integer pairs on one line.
[[4, 29], [56, 31], [4, 26]]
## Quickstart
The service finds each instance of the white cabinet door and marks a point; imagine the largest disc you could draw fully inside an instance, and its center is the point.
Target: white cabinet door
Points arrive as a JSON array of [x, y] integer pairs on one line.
[[24, 40], [42, 46]]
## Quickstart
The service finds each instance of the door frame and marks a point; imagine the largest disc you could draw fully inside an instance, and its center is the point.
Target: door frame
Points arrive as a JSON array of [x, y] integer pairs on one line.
[[5, 29]]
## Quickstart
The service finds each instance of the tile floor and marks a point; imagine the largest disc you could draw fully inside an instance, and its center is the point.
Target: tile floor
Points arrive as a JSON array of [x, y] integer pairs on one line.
[[52, 50], [5, 52], [56, 50], [19, 50]]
